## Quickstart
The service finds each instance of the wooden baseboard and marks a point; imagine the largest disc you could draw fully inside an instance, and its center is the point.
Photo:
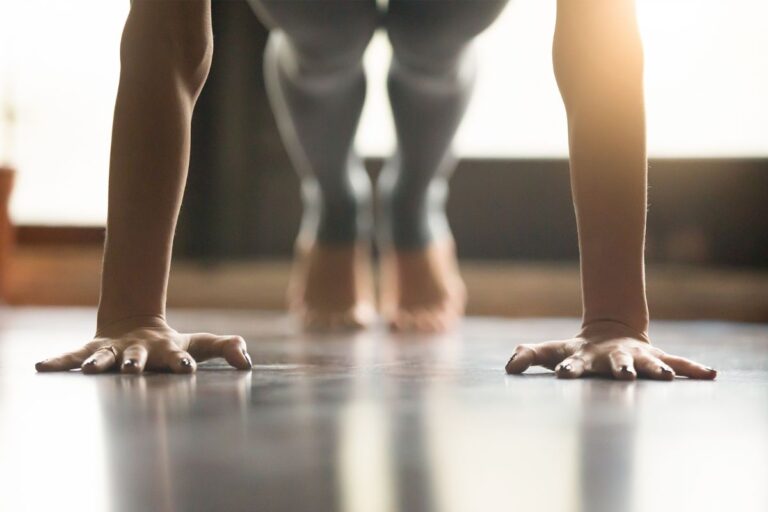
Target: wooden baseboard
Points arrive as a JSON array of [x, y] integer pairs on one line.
[[68, 276]]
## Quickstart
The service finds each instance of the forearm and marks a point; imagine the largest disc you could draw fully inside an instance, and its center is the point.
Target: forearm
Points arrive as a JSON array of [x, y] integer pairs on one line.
[[608, 173], [602, 88], [148, 166]]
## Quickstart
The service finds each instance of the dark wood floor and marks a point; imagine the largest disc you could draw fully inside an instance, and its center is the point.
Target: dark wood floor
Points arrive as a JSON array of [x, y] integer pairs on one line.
[[378, 423]]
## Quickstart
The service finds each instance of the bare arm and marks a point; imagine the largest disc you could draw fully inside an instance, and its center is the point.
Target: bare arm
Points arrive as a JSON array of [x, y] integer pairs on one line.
[[166, 53], [599, 66], [159, 85], [598, 61]]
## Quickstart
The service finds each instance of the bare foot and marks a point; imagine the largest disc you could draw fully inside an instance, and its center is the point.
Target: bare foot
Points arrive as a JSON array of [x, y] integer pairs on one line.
[[422, 289], [331, 287]]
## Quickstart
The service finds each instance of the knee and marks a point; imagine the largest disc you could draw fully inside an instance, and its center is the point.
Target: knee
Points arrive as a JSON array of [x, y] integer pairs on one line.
[[170, 39], [428, 54], [322, 37], [452, 26], [429, 58], [326, 52]]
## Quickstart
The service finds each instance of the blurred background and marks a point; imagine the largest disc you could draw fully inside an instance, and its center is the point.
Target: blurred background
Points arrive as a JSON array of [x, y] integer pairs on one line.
[[707, 103]]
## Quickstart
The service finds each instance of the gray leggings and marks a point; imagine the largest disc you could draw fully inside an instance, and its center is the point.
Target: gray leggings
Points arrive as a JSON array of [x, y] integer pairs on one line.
[[317, 88]]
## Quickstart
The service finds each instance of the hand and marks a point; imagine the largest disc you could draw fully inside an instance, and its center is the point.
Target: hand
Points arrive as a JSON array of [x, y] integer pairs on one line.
[[140, 343], [608, 349]]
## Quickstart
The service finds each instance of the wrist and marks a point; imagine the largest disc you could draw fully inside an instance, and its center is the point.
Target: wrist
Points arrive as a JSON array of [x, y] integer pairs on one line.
[[123, 306], [109, 324], [631, 312], [605, 328]]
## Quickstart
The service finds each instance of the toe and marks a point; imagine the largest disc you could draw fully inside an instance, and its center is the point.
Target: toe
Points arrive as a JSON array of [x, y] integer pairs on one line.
[[427, 322], [331, 321], [401, 321]]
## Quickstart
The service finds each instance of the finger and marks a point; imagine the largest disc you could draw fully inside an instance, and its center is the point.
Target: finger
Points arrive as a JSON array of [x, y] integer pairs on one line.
[[179, 361], [134, 359], [546, 354], [651, 367], [64, 362], [523, 357], [688, 368], [232, 348], [570, 368], [100, 361], [622, 365]]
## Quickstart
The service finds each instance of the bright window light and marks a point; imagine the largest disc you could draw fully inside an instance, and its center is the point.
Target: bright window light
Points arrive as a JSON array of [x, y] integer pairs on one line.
[[706, 77], [59, 66], [706, 81]]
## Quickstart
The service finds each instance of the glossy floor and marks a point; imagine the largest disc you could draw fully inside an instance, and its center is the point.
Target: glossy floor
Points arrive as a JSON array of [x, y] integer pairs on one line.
[[374, 422]]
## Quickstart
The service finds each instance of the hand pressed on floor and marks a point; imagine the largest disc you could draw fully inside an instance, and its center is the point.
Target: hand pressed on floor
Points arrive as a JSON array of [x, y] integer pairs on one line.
[[148, 343], [607, 349]]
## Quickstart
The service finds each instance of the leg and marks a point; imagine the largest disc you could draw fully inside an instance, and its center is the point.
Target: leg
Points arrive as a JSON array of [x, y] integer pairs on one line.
[[316, 85], [430, 83]]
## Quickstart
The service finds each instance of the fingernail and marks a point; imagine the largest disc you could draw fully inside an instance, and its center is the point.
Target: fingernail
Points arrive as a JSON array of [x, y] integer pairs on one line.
[[247, 358], [186, 362], [710, 369], [130, 363], [90, 362], [666, 371], [567, 367], [625, 369], [627, 373], [513, 357]]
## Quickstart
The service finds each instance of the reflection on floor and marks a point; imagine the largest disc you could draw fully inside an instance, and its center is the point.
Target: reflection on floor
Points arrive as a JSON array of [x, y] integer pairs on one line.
[[374, 422]]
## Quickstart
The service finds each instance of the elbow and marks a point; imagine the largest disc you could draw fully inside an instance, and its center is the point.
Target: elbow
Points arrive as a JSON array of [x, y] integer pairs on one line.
[[167, 48]]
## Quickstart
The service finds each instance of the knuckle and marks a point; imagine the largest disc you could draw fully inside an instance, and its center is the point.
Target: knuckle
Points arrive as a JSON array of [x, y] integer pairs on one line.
[[620, 354], [235, 341], [525, 348], [122, 345], [94, 345], [131, 350], [164, 345]]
